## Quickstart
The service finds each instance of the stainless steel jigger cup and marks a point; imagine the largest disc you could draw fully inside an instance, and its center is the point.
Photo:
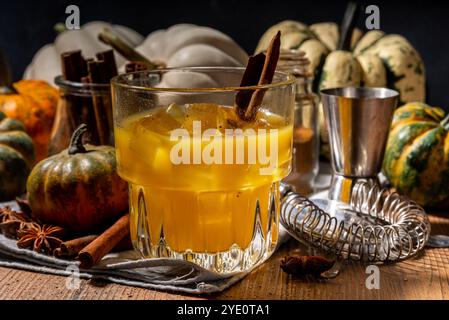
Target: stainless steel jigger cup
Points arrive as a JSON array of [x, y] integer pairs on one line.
[[358, 121]]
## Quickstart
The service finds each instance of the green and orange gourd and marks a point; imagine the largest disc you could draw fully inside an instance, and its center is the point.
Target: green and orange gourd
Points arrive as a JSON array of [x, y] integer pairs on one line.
[[417, 155], [16, 157], [33, 102]]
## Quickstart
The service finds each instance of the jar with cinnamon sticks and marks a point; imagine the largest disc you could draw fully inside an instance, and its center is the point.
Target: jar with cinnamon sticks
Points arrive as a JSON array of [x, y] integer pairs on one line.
[[305, 162], [85, 98]]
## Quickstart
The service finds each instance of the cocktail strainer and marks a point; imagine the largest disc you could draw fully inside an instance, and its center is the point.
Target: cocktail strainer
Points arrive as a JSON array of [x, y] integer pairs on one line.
[[376, 226]]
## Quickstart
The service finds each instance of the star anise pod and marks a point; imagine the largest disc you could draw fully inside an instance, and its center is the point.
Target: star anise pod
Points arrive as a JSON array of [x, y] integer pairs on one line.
[[7, 214], [11, 221], [302, 266], [43, 239]]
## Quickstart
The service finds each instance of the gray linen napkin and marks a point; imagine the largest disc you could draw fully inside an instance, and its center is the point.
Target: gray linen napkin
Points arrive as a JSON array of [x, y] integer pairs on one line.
[[126, 268]]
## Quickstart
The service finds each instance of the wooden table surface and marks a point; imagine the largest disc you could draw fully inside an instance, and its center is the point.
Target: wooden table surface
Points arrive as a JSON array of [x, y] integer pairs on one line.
[[423, 277]]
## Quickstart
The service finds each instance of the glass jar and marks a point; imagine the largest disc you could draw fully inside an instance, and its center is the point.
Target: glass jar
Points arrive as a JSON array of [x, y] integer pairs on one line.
[[88, 103], [306, 138]]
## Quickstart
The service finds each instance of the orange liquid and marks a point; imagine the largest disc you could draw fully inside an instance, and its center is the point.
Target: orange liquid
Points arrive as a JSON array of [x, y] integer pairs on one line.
[[200, 207]]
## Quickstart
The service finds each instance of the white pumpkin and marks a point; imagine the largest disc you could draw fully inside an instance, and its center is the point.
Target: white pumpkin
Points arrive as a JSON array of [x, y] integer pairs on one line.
[[46, 63], [188, 45], [182, 45]]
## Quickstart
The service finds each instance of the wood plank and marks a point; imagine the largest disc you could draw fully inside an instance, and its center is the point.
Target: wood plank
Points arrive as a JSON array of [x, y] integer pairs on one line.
[[423, 277]]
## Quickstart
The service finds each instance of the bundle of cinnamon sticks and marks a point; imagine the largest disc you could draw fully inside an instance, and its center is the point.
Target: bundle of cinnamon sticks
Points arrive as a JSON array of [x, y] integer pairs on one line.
[[78, 106]]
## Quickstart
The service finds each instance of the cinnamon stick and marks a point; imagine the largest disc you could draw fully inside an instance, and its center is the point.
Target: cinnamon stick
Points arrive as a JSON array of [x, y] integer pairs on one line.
[[71, 248], [257, 73], [134, 66], [250, 77], [68, 111], [97, 69], [88, 113], [108, 71], [102, 245], [72, 65], [84, 71], [124, 244], [110, 65]]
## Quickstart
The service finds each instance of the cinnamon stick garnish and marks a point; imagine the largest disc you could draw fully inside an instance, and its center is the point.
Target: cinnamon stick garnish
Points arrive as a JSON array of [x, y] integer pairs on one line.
[[102, 245], [259, 71]]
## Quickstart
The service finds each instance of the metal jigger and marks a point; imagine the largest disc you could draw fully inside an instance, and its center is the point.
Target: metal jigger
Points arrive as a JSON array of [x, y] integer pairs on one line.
[[358, 121]]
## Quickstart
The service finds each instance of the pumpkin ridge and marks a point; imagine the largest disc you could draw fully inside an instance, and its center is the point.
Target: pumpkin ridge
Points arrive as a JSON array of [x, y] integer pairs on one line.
[[13, 150], [35, 105], [369, 46], [13, 180], [432, 176], [21, 142], [434, 171], [102, 158], [45, 190], [399, 144], [446, 149], [392, 79], [410, 122], [418, 111], [414, 159], [16, 157]]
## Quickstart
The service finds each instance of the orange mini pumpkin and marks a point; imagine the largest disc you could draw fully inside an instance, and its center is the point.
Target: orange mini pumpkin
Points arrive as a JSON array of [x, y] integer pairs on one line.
[[34, 103]]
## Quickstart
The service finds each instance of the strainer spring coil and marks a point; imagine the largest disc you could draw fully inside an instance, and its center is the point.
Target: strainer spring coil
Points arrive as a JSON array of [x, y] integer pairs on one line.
[[385, 226]]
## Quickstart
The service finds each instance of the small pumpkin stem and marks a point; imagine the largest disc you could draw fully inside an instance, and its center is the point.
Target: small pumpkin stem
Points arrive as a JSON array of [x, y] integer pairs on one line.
[[59, 28], [445, 122], [76, 142], [110, 38], [347, 27]]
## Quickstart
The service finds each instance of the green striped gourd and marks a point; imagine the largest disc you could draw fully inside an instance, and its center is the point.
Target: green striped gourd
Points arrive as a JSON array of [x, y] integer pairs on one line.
[[417, 155], [16, 157], [374, 59]]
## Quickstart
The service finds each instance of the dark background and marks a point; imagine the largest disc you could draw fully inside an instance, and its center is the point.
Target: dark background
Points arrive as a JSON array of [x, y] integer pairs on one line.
[[25, 26]]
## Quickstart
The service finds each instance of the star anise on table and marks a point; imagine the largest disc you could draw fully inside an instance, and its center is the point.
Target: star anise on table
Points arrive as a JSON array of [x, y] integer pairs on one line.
[[11, 221], [42, 239], [7, 214], [302, 266]]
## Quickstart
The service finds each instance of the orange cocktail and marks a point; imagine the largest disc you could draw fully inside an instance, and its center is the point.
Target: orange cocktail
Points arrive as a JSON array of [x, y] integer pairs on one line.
[[204, 185]]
